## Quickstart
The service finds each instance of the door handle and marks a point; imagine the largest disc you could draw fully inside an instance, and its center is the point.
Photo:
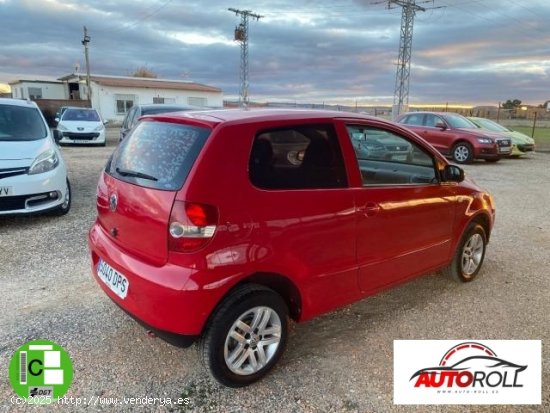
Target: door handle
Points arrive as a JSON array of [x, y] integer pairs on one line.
[[371, 209]]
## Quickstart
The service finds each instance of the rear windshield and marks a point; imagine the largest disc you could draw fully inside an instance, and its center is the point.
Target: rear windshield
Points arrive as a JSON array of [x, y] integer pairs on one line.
[[158, 155], [81, 115], [18, 123]]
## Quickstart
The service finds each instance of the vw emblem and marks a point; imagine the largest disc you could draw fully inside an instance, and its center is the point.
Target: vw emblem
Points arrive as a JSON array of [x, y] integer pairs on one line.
[[113, 202]]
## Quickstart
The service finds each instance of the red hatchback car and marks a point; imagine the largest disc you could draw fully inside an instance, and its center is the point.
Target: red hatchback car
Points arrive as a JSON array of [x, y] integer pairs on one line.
[[457, 137], [221, 225]]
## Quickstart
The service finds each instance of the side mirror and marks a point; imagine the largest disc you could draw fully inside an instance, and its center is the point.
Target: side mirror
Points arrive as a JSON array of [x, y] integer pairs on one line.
[[441, 125], [453, 173], [105, 122], [56, 120]]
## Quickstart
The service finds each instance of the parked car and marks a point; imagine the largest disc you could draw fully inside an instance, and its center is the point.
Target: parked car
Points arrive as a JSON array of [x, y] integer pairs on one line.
[[380, 145], [521, 143], [33, 176], [207, 230], [138, 111], [457, 137], [80, 126]]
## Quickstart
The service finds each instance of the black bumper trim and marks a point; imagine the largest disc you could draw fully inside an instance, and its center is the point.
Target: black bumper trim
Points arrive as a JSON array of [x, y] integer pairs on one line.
[[174, 339]]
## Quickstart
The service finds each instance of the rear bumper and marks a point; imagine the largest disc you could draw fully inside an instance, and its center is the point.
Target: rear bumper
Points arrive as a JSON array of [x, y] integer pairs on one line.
[[165, 298]]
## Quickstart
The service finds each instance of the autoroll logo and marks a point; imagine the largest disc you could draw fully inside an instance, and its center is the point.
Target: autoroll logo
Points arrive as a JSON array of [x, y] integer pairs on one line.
[[468, 372]]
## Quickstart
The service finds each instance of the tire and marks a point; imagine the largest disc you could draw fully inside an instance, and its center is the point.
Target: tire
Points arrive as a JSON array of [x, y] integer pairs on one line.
[[463, 153], [469, 255], [66, 205], [493, 160], [229, 345]]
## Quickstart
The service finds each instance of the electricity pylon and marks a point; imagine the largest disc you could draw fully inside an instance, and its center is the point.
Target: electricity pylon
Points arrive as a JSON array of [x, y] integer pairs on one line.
[[241, 35]]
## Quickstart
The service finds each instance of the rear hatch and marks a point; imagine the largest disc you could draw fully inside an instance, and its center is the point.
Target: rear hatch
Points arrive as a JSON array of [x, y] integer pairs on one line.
[[137, 189]]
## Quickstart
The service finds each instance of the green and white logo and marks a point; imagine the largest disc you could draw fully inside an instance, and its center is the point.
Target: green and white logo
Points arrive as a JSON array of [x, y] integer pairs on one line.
[[41, 370]]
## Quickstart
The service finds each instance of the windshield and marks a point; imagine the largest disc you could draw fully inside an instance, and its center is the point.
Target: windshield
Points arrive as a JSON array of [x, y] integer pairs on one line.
[[457, 121], [18, 123], [490, 125], [158, 155], [81, 115]]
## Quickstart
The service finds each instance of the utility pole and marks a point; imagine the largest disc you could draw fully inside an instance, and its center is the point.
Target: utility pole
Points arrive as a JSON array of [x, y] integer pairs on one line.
[[241, 35], [85, 42]]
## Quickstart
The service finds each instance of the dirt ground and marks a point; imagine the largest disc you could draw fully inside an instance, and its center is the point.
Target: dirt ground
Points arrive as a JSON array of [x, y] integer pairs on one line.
[[342, 361]]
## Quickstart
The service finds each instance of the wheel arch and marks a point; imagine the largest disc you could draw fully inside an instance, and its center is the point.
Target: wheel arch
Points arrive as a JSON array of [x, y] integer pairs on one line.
[[283, 286], [483, 220]]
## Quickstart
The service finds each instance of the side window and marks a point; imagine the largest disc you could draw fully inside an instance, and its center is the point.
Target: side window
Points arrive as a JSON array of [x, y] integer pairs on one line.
[[432, 120], [414, 119], [386, 158], [128, 118], [299, 157], [134, 117]]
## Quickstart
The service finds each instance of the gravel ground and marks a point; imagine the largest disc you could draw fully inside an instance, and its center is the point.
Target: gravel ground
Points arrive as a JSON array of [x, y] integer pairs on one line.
[[339, 362]]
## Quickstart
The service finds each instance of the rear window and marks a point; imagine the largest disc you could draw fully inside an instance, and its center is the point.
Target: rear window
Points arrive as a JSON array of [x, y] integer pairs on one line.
[[158, 155], [18, 123]]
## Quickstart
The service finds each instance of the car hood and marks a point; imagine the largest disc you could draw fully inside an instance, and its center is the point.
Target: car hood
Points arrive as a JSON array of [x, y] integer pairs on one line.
[[22, 153], [485, 132], [79, 126], [519, 138]]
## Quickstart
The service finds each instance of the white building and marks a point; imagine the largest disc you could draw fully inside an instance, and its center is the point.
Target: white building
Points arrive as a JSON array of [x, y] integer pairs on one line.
[[112, 96], [39, 89]]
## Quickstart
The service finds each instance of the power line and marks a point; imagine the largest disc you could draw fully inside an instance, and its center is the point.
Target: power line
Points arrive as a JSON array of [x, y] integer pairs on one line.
[[241, 35]]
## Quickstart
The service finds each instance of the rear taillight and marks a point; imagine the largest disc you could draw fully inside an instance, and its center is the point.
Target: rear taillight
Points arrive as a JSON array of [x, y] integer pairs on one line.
[[191, 226]]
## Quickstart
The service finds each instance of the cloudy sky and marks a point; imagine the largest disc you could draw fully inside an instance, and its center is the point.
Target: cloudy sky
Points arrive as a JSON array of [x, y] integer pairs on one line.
[[464, 51]]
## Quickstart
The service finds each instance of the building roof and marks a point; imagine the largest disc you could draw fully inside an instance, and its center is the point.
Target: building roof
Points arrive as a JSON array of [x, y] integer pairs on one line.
[[15, 82], [143, 83]]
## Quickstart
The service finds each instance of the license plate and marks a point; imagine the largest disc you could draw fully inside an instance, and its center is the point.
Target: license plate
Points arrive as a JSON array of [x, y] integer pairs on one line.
[[399, 157], [6, 190], [504, 150], [117, 282]]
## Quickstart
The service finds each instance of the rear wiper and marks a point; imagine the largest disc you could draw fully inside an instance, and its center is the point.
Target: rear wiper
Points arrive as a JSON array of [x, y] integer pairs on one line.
[[136, 174]]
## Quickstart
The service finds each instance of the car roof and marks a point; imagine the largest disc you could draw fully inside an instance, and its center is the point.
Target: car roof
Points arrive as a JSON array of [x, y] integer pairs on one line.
[[235, 116], [17, 102], [429, 112], [166, 105]]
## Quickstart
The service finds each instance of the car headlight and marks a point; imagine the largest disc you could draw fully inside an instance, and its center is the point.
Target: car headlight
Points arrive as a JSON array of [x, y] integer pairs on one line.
[[61, 127], [99, 128], [484, 140], [45, 162]]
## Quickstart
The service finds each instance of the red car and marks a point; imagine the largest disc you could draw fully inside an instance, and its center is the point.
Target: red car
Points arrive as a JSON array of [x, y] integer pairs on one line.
[[220, 225], [457, 137]]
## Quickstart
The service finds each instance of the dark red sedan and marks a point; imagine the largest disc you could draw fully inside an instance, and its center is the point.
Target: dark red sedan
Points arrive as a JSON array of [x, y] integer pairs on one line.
[[457, 137]]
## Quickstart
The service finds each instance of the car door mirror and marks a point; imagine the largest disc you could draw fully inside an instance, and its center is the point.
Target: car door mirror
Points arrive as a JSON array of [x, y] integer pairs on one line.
[[453, 173], [441, 125]]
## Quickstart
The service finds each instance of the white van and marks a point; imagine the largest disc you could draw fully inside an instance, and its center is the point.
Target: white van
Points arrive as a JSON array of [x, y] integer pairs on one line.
[[33, 175]]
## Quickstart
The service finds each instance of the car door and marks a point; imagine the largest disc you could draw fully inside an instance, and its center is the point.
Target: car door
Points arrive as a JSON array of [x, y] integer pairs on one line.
[[404, 214], [440, 138], [305, 209]]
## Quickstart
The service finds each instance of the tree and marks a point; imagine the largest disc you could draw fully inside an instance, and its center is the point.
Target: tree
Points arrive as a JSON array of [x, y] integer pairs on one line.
[[144, 71], [511, 104]]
